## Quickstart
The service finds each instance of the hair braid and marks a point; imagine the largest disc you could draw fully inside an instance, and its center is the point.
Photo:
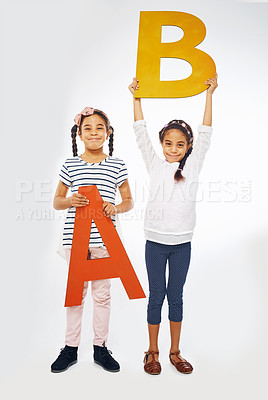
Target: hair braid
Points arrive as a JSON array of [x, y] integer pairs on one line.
[[111, 141], [178, 175], [74, 145]]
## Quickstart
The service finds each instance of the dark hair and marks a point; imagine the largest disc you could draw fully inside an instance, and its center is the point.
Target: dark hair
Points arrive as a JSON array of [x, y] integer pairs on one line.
[[188, 133], [108, 128]]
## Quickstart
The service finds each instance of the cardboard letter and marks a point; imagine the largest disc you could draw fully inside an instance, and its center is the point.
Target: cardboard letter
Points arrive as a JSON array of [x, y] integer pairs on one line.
[[117, 265], [151, 50]]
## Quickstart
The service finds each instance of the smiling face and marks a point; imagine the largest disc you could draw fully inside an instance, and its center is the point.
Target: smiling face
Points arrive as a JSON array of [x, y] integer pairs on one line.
[[93, 132], [174, 145]]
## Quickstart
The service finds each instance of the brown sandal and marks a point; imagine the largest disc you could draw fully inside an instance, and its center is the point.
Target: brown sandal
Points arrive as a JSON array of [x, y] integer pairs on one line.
[[181, 365], [152, 367]]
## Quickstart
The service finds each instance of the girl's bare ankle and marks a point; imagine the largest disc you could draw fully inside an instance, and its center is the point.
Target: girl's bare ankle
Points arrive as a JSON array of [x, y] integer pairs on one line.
[[152, 348]]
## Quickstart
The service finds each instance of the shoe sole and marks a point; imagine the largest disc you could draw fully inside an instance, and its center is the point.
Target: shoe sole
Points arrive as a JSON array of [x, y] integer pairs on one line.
[[106, 369], [65, 369], [153, 373]]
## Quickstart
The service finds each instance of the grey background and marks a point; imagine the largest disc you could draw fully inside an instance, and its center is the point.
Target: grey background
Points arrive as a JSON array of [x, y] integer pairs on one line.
[[58, 57]]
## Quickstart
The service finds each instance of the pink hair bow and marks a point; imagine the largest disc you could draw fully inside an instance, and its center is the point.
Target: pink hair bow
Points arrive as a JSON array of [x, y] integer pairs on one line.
[[86, 111]]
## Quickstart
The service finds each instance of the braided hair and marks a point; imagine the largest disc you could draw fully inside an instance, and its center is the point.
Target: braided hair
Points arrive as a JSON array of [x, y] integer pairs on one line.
[[74, 144], [75, 129], [188, 133], [111, 141]]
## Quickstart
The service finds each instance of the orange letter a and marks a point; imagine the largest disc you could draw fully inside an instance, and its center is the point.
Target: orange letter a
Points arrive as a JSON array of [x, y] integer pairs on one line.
[[117, 265]]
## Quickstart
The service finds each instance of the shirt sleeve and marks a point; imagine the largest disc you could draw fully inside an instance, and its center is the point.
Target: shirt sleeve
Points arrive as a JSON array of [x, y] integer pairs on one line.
[[144, 144], [122, 174], [201, 145], [64, 175]]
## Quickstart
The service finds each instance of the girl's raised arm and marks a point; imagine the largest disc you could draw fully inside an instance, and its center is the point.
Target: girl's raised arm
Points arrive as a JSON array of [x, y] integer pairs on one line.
[[138, 114], [207, 120], [142, 137], [202, 143]]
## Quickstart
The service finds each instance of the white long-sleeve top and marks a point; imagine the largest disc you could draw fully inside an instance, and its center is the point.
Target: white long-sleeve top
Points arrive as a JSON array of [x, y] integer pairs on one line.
[[170, 214]]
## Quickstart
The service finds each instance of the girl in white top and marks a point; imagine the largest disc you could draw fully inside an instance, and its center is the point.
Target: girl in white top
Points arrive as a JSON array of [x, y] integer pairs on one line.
[[170, 219]]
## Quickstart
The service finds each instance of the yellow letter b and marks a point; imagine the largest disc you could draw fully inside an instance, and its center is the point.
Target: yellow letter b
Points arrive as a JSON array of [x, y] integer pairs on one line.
[[151, 50]]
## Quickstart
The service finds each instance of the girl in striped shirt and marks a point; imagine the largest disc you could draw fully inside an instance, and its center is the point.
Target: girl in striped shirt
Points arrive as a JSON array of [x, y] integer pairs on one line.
[[93, 167]]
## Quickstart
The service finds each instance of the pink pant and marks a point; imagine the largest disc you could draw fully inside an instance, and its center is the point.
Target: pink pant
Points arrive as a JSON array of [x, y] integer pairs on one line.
[[100, 291]]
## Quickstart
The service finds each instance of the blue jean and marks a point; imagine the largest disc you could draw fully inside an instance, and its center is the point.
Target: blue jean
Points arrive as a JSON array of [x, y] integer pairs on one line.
[[178, 257]]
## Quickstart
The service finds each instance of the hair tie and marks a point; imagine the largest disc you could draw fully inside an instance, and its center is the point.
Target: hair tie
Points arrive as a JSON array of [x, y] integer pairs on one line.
[[177, 122], [86, 111]]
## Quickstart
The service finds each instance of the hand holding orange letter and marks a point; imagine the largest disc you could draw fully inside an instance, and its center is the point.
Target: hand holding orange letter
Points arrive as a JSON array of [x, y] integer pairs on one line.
[[109, 209], [78, 200]]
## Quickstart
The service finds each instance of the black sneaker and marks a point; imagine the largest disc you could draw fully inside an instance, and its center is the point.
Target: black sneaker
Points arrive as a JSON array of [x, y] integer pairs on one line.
[[102, 356], [66, 358]]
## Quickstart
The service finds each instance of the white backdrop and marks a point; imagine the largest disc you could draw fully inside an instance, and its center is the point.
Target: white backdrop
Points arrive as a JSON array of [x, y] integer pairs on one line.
[[60, 56]]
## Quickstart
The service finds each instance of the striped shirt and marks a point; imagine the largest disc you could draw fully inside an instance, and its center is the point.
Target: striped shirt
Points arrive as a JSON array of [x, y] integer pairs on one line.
[[107, 175]]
